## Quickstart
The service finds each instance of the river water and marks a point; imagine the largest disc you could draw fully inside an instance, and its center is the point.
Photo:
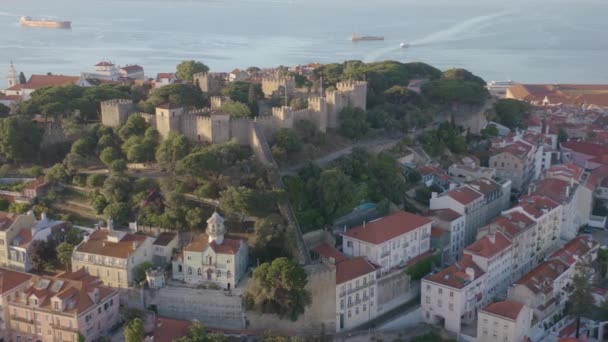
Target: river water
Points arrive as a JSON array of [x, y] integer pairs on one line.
[[523, 40]]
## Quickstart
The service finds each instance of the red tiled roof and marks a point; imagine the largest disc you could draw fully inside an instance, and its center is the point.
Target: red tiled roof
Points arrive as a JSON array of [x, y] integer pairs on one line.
[[353, 268], [569, 170], [556, 189], [169, 329], [541, 278], [587, 148], [426, 170], [484, 185], [228, 246], [518, 149], [25, 236], [447, 215], [513, 223], [163, 239], [464, 195], [99, 244], [575, 248], [388, 227], [506, 308], [167, 75], [328, 251], [437, 232], [537, 205], [41, 81], [489, 245], [455, 275], [10, 279]]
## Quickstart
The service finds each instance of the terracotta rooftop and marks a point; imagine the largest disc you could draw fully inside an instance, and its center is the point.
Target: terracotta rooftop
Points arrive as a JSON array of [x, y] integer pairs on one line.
[[455, 275], [447, 215], [506, 308], [574, 249], [163, 239], [541, 278], [77, 287], [464, 195], [388, 227], [513, 223], [489, 245], [556, 189], [518, 149], [426, 170], [353, 268], [41, 81], [167, 75], [484, 185], [169, 329], [228, 246], [104, 63], [10, 279], [568, 170], [328, 251], [571, 94], [587, 148], [99, 244], [536, 205], [132, 68]]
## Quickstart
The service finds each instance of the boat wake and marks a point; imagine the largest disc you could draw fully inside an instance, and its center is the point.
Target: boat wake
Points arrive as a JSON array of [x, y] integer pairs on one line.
[[453, 33]]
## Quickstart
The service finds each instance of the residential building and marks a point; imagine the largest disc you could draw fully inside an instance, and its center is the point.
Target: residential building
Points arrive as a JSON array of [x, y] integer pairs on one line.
[[356, 292], [494, 255], [11, 226], [587, 155], [390, 241], [479, 201], [521, 230], [134, 72], [63, 307], [165, 78], [238, 75], [582, 249], [447, 220], [516, 162], [554, 94], [544, 288], [504, 321], [433, 175], [212, 257], [450, 298], [24, 90], [163, 247], [11, 283], [465, 173], [112, 255], [548, 217], [105, 71]]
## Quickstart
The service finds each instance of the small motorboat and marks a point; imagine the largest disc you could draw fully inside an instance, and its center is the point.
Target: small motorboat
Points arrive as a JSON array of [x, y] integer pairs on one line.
[[404, 45]]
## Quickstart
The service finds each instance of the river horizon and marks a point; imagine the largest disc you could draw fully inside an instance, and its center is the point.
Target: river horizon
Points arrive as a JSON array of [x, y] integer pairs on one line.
[[559, 41]]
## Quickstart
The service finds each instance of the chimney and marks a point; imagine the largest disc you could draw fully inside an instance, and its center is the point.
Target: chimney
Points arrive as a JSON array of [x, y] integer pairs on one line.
[[492, 238], [568, 191], [85, 237], [470, 272]]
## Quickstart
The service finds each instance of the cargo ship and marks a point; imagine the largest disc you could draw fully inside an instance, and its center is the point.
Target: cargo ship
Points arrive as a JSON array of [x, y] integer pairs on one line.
[[30, 22], [358, 38]]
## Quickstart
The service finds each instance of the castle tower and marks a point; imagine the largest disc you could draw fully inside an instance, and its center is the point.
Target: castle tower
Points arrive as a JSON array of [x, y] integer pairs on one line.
[[220, 128], [215, 228], [116, 112], [12, 76], [168, 118]]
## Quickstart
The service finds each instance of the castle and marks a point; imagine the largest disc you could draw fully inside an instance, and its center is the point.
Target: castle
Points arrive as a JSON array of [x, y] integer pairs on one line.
[[213, 126]]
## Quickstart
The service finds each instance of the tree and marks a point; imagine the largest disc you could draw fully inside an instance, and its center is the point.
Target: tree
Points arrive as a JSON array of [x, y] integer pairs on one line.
[[22, 79], [252, 202], [134, 330], [19, 138], [287, 139], [270, 238], [242, 91], [511, 112], [457, 74], [40, 251], [236, 109], [278, 287], [449, 91], [139, 273], [135, 125], [117, 188], [337, 195], [401, 95], [171, 150], [64, 253], [119, 212], [420, 268], [198, 333], [581, 299], [178, 94], [95, 180], [489, 132], [57, 174], [194, 217], [353, 123], [602, 261], [109, 155], [186, 69], [4, 111]]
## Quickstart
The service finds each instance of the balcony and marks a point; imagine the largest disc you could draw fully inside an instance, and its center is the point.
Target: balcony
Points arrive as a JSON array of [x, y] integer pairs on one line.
[[21, 319], [385, 254], [63, 328]]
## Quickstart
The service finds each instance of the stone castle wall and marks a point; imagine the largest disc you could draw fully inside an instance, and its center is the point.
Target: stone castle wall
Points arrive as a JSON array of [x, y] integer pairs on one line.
[[271, 86], [208, 82], [116, 112]]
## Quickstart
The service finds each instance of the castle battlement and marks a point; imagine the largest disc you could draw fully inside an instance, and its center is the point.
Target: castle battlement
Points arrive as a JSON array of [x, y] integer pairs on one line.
[[350, 85], [116, 102], [278, 79]]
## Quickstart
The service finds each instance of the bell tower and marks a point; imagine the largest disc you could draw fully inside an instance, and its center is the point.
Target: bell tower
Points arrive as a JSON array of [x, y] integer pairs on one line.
[[215, 228], [12, 76]]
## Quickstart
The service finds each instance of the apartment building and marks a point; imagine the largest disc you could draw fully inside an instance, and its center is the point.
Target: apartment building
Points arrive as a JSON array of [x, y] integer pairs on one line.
[[390, 241], [504, 321], [163, 247], [548, 217], [11, 283], [453, 223], [212, 257], [451, 297], [521, 231], [356, 292], [62, 308], [112, 255], [494, 255], [479, 201]]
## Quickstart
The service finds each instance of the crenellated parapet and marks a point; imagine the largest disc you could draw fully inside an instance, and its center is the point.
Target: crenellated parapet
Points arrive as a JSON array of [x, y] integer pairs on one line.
[[272, 86]]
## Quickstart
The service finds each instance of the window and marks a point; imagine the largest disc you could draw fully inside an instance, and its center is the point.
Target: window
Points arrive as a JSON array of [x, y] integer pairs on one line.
[[439, 303], [210, 260], [349, 244], [428, 300], [349, 314], [219, 273], [190, 270], [364, 307], [357, 310], [228, 274], [371, 292], [341, 304], [440, 291], [199, 271], [451, 294]]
